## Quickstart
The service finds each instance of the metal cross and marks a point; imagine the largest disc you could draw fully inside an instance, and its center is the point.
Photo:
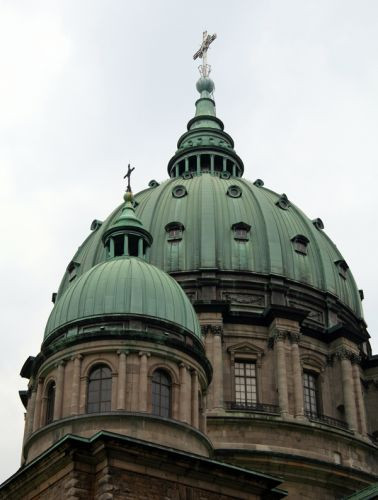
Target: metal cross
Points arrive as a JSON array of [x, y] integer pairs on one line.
[[128, 175], [202, 53]]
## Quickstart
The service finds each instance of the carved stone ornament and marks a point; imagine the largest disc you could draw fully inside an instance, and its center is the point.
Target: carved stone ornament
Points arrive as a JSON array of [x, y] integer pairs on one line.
[[344, 353], [244, 298], [295, 337], [277, 335], [214, 329]]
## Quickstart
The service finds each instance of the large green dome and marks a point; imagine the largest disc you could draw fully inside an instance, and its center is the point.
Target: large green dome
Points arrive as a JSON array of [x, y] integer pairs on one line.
[[119, 287], [207, 209]]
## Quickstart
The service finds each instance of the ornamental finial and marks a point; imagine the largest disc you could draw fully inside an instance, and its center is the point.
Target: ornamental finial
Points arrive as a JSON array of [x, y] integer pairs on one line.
[[128, 175], [204, 68]]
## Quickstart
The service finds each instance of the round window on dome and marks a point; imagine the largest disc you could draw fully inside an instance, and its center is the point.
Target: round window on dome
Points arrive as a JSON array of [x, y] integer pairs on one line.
[[225, 175], [234, 192], [179, 191], [187, 175]]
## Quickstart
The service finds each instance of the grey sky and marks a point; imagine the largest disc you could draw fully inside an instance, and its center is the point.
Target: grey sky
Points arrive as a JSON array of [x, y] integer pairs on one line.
[[87, 86]]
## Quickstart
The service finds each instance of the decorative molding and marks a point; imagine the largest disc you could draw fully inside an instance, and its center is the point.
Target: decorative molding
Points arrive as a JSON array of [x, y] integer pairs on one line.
[[344, 353], [214, 329], [245, 298]]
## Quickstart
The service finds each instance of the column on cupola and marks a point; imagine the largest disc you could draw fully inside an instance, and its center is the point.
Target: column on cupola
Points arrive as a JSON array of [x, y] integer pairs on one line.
[[121, 389], [359, 396], [185, 394], [38, 405], [295, 338], [206, 333], [30, 411], [194, 402], [348, 387], [277, 339], [143, 380], [75, 384], [214, 352], [59, 391]]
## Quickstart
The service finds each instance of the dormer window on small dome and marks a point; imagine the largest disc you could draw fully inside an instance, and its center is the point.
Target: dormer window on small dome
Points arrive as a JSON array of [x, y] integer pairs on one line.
[[241, 231], [72, 269], [300, 243], [174, 231], [342, 267]]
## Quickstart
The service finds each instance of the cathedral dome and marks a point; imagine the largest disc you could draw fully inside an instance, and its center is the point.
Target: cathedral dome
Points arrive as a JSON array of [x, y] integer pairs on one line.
[[123, 286], [231, 224]]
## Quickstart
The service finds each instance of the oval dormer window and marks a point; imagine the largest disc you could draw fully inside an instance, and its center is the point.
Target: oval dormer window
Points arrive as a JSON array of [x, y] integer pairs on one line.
[[300, 243], [174, 231], [241, 231]]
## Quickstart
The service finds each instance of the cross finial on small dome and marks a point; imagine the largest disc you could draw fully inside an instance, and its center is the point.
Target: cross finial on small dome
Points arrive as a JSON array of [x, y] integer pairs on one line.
[[128, 175]]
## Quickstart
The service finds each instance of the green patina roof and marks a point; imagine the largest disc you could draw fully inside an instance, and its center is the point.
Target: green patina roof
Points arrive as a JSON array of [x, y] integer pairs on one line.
[[369, 493], [123, 286], [208, 213]]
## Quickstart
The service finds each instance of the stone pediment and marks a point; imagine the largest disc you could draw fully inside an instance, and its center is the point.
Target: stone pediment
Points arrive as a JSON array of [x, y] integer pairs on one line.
[[246, 348]]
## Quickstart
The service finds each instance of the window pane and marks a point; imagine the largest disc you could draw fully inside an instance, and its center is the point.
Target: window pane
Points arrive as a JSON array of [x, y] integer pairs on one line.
[[161, 394], [245, 382], [99, 390], [310, 393]]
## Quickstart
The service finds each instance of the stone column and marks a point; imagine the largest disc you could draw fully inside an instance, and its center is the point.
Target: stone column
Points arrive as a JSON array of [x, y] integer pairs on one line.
[[359, 396], [281, 375], [143, 381], [75, 385], [59, 391], [38, 405], [83, 394], [184, 408], [30, 412], [297, 375], [209, 349], [217, 367], [121, 396], [347, 380], [195, 405]]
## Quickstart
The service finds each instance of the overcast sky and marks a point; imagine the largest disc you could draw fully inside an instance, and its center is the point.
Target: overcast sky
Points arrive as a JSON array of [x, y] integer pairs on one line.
[[87, 86]]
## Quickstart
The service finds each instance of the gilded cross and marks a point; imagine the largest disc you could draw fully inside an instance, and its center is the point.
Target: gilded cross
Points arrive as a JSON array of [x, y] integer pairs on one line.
[[202, 53], [128, 175]]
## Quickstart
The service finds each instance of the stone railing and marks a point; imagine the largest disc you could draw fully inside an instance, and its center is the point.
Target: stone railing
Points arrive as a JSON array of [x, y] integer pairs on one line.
[[324, 419], [253, 407]]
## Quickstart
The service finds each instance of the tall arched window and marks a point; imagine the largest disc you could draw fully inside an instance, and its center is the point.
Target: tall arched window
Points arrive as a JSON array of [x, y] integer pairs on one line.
[[161, 394], [99, 390], [50, 403]]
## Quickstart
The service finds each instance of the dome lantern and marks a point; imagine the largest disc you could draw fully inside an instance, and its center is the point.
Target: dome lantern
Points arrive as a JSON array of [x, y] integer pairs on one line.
[[127, 236], [205, 147]]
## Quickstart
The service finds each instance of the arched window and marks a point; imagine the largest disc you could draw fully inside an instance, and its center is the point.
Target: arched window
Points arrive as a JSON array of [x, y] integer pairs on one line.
[[50, 403], [161, 394], [99, 390]]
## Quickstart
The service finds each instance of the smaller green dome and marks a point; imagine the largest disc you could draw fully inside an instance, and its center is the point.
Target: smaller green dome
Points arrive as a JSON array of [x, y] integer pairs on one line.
[[123, 286]]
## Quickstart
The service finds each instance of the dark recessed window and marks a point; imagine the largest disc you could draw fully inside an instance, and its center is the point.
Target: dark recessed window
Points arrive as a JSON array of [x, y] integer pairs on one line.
[[50, 403], [241, 231], [174, 231], [72, 269], [96, 224], [300, 243], [179, 191], [245, 382], [283, 202], [153, 184], [234, 192], [161, 394], [310, 393], [99, 390], [342, 267]]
